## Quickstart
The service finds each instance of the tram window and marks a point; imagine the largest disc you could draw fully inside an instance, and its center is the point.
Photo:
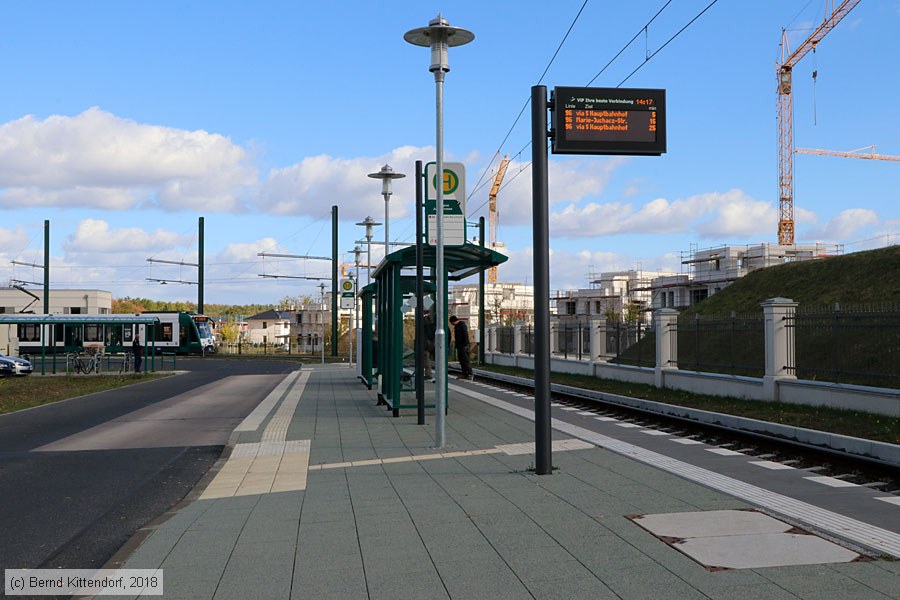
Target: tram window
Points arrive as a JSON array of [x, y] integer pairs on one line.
[[113, 335], [93, 333], [29, 333], [165, 333]]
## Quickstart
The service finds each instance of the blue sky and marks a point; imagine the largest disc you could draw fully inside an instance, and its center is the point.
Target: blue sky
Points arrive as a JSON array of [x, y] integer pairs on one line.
[[122, 123]]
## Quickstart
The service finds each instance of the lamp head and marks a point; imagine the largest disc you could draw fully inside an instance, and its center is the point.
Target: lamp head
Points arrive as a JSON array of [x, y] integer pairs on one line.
[[439, 36]]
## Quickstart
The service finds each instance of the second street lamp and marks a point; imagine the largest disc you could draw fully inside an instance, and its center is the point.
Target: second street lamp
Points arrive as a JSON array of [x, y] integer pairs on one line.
[[368, 223], [386, 175]]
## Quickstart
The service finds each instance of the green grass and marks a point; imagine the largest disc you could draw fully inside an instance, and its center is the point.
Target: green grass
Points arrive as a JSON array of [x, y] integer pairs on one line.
[[844, 422], [17, 393]]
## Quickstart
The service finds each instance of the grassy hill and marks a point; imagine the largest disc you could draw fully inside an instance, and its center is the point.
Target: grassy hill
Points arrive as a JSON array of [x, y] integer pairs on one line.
[[871, 277]]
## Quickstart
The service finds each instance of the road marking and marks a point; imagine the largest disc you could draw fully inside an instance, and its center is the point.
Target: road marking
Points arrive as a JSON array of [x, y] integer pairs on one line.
[[273, 464]]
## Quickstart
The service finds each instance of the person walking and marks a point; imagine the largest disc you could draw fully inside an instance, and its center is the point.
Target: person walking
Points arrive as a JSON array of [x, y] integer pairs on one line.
[[137, 350], [428, 333], [461, 343]]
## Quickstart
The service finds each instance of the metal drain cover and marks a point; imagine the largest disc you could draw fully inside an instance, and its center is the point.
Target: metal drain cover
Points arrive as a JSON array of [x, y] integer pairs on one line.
[[741, 539]]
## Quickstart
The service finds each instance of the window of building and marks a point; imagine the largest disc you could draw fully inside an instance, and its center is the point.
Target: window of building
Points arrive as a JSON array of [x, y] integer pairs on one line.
[[265, 325], [571, 307], [698, 296]]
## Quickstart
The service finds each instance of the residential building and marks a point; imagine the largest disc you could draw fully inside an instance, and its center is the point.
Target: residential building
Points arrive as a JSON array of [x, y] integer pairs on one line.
[[269, 327]]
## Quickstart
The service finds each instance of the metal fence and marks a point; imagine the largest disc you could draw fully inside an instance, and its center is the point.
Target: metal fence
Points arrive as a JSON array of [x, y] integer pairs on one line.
[[506, 336], [857, 344], [573, 339], [631, 344], [733, 344]]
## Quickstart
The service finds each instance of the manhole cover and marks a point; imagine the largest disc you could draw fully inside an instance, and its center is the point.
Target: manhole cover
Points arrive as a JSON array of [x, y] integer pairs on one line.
[[741, 539]]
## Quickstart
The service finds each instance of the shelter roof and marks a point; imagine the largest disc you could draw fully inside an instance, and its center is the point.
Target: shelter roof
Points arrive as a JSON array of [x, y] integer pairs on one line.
[[460, 261], [23, 319]]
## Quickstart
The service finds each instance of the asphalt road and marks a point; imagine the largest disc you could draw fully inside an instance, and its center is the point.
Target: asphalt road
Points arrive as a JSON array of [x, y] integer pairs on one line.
[[79, 477]]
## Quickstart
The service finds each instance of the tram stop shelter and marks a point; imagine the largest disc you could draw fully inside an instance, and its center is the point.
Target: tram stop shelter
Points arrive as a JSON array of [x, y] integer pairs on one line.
[[385, 348], [57, 332]]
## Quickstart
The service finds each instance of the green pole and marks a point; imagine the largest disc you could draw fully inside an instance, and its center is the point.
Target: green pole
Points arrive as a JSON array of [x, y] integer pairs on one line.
[[334, 281], [200, 271], [46, 267], [481, 324]]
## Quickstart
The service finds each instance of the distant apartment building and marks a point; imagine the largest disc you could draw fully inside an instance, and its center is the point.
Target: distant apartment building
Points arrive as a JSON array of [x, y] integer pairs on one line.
[[616, 295], [505, 303]]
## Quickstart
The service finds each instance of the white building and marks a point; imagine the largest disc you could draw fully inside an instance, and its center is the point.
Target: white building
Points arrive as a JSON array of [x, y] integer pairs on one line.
[[62, 302], [269, 327], [614, 295], [505, 303]]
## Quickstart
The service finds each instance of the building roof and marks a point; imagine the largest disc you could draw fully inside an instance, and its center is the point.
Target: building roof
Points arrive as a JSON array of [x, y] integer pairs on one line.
[[270, 315]]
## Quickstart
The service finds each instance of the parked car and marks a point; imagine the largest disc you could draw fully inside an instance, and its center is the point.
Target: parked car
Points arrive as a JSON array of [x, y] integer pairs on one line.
[[11, 365]]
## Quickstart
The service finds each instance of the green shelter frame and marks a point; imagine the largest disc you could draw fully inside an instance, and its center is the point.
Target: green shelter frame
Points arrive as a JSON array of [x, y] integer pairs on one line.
[[382, 318]]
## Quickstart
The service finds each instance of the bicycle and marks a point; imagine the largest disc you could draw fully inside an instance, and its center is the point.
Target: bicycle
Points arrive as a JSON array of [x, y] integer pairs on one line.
[[127, 363], [89, 363]]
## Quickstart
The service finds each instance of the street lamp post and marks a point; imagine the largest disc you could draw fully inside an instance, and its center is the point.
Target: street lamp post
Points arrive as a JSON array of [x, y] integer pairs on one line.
[[386, 175], [356, 252], [439, 36], [368, 223], [322, 341]]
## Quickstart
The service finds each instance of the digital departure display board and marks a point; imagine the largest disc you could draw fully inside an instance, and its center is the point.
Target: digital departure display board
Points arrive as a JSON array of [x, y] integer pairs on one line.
[[608, 121]]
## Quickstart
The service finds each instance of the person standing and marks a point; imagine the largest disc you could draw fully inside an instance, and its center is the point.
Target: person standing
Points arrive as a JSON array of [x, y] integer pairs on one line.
[[137, 350], [428, 333], [461, 342]]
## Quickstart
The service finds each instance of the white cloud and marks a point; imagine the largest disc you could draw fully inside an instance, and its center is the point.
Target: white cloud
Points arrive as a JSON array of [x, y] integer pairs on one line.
[[710, 215], [843, 227], [313, 185], [11, 238], [570, 181], [95, 236], [96, 159]]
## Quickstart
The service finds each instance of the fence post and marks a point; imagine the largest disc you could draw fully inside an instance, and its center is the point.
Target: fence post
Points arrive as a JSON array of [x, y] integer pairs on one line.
[[598, 339], [517, 338], [779, 342], [554, 335], [665, 323]]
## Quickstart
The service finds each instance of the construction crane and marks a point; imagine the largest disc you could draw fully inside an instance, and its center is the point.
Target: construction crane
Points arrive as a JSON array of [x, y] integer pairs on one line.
[[493, 215], [850, 154], [786, 116]]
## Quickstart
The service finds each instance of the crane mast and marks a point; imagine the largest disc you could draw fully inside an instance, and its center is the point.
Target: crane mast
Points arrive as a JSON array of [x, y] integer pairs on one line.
[[493, 216], [786, 117]]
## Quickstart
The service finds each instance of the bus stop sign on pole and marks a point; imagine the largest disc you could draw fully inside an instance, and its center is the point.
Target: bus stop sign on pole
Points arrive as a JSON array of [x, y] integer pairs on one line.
[[454, 181]]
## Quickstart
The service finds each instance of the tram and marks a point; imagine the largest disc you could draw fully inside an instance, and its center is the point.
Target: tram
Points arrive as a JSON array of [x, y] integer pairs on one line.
[[176, 332]]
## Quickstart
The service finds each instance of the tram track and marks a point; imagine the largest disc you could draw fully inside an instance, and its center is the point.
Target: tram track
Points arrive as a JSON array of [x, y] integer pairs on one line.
[[765, 442]]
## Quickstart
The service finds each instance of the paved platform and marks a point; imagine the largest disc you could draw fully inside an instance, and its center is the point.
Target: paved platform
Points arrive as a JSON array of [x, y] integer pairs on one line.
[[322, 494]]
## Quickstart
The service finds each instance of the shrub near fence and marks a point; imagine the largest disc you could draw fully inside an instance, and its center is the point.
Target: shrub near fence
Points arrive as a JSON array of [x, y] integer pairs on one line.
[[732, 344], [858, 344]]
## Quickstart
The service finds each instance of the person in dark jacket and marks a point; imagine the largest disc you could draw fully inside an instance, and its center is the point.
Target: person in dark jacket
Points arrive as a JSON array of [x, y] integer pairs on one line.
[[138, 350], [428, 334], [461, 343]]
